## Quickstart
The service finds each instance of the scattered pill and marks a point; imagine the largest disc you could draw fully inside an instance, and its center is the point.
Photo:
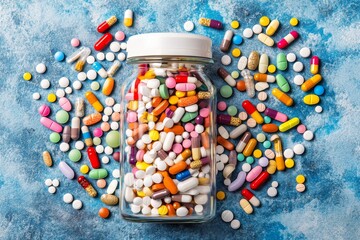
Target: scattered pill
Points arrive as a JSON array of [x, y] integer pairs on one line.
[[227, 216], [77, 204], [235, 224], [248, 33], [271, 192], [189, 26], [226, 60], [300, 187], [300, 178], [68, 198], [305, 52]]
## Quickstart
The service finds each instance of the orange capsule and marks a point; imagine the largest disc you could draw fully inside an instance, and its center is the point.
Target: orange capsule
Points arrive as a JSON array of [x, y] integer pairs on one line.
[[270, 128], [108, 86], [156, 101], [178, 167], [133, 125], [157, 186], [170, 185], [160, 108], [176, 205], [177, 129], [205, 141], [162, 117], [249, 148], [171, 209], [282, 97], [92, 119], [187, 101], [225, 143]]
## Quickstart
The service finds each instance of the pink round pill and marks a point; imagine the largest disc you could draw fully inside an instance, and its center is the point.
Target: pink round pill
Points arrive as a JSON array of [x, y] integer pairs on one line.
[[44, 110], [177, 148], [140, 155], [204, 112], [97, 132], [170, 82], [119, 35], [131, 117], [189, 127], [194, 134], [186, 143], [221, 106], [75, 42], [301, 128]]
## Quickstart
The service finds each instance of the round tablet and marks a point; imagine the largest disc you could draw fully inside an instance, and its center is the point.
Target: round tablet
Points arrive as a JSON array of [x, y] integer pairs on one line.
[[237, 39], [235, 224], [235, 74], [110, 56], [260, 106], [27, 76], [116, 173], [90, 59], [272, 192], [257, 29], [55, 182], [91, 74], [251, 123], [68, 90], [77, 204], [220, 166], [301, 128], [262, 96], [300, 187], [45, 84], [109, 101], [260, 137], [101, 183], [264, 21], [105, 159], [226, 60], [318, 109], [84, 169], [64, 147], [236, 52], [75, 42], [104, 212], [298, 66], [95, 86], [275, 184], [115, 46], [100, 56], [54, 137], [62, 116], [189, 26], [77, 85], [232, 110], [79, 145], [250, 160], [308, 135], [319, 90], [52, 189], [227, 216], [299, 80], [300, 178], [68, 198], [271, 68], [289, 163], [40, 68], [119, 35], [75, 155], [36, 96], [267, 144], [235, 24], [117, 107], [59, 56], [291, 57], [305, 52], [294, 22], [220, 195], [221, 106], [299, 149], [246, 167], [269, 154], [240, 157], [247, 33], [64, 82], [288, 153], [257, 153], [99, 149], [226, 91], [267, 119], [48, 182], [121, 56], [199, 208], [243, 116], [227, 181], [81, 76]]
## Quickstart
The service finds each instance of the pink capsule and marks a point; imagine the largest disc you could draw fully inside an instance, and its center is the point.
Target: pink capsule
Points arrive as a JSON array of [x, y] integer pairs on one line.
[[288, 39], [184, 87]]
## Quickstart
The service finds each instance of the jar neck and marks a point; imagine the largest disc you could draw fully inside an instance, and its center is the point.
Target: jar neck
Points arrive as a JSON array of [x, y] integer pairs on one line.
[[168, 60]]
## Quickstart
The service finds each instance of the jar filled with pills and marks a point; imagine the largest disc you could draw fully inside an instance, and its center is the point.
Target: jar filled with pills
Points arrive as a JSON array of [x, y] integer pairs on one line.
[[168, 130]]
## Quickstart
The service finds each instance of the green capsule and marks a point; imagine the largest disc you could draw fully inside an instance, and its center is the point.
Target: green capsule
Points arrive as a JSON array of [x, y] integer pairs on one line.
[[282, 83], [98, 173], [164, 91], [189, 116], [281, 62]]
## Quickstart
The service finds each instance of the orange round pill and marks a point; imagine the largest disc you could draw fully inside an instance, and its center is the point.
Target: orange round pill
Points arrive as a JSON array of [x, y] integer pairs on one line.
[[104, 213], [115, 116], [101, 183], [105, 126], [240, 85]]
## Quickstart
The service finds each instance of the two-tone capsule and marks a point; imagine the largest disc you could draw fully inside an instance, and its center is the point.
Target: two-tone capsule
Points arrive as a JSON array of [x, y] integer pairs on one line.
[[210, 23], [248, 195], [105, 25], [252, 111], [288, 39], [282, 97], [226, 42], [94, 101], [279, 158], [226, 76], [86, 136], [278, 116], [263, 77], [128, 18], [87, 186], [314, 64], [100, 69]]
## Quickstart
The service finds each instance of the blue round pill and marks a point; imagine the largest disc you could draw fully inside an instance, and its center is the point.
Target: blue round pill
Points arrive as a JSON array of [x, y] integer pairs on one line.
[[237, 39], [240, 157], [59, 56], [319, 90], [250, 160], [267, 119]]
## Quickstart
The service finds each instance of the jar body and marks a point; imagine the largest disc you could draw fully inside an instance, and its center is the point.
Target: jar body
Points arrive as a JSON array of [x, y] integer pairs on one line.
[[167, 145]]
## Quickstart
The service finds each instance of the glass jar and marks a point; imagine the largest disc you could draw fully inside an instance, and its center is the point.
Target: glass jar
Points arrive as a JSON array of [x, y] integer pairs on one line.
[[168, 130]]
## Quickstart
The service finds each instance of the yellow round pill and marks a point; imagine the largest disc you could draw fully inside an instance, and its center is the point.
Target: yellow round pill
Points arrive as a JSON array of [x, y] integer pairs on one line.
[[220, 195], [271, 68], [163, 210], [180, 94], [154, 135], [294, 22], [173, 100], [257, 153], [236, 52], [84, 169], [235, 24], [289, 163], [27, 76], [51, 97], [300, 178], [264, 21], [235, 74]]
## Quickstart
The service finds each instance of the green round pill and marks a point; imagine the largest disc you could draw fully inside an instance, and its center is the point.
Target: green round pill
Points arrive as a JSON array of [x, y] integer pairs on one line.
[[261, 137], [226, 91], [250, 160], [54, 137], [232, 110], [62, 116], [235, 74], [75, 155], [113, 139], [96, 141], [267, 119], [95, 86], [240, 157], [267, 144], [164, 91]]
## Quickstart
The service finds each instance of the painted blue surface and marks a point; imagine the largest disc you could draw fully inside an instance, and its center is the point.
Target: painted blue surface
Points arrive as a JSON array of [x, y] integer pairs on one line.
[[32, 31]]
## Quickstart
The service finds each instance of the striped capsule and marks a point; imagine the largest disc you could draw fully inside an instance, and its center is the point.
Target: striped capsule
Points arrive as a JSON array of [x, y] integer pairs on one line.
[[86, 136]]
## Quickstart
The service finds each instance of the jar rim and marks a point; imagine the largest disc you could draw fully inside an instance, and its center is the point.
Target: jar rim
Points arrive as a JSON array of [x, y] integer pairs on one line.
[[172, 59]]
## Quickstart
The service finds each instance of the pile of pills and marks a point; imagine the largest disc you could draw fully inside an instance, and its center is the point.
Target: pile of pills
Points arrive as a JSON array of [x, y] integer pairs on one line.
[[52, 185]]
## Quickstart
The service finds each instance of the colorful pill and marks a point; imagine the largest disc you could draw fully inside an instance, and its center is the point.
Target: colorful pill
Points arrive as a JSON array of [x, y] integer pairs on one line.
[[314, 64], [225, 143], [281, 117], [87, 186], [66, 170], [185, 87], [249, 148], [108, 86], [92, 119], [279, 159], [311, 82], [265, 39], [226, 76], [75, 128], [238, 182], [282, 83], [210, 23], [253, 60], [66, 134], [225, 44], [260, 180], [185, 79], [311, 99], [252, 111], [248, 195], [93, 157], [99, 69], [103, 42], [51, 124], [273, 26], [243, 142], [65, 104], [281, 62], [94, 101], [288, 39], [270, 128], [86, 136], [105, 25], [262, 77], [289, 124], [98, 173], [246, 206], [249, 82], [128, 18], [282, 97]]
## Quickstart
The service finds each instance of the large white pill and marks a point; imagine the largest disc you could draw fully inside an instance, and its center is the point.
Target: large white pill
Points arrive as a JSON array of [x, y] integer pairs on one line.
[[298, 80], [288, 153], [77, 204], [189, 26], [298, 66], [226, 60], [64, 82], [308, 135], [271, 192], [45, 84], [227, 216], [68, 198], [235, 224], [305, 52], [299, 149], [247, 33]]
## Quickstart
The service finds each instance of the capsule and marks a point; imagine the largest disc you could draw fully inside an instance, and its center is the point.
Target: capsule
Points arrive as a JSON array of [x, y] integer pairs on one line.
[[226, 42], [248, 195], [183, 156], [185, 79], [288, 39], [230, 167], [225, 119], [225, 143], [87, 186], [282, 83], [281, 61], [249, 148], [105, 25], [260, 180], [262, 77], [75, 128], [47, 158], [79, 65], [282, 97], [311, 82], [99, 69], [210, 23], [93, 157], [94, 101], [181, 176], [265, 39], [195, 147], [278, 116], [243, 142], [199, 163], [66, 134], [252, 111], [235, 133], [79, 107], [108, 86], [113, 68], [270, 128], [76, 55], [272, 27], [263, 63], [103, 42], [289, 124], [226, 76], [279, 159], [128, 18], [86, 136], [92, 119], [314, 64], [249, 83], [253, 60]]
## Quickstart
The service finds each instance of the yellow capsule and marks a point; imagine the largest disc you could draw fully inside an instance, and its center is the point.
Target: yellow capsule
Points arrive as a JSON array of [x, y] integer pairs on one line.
[[128, 18], [163, 210], [271, 68], [282, 97], [84, 169], [257, 153], [142, 165], [94, 101], [173, 100], [154, 135], [311, 99], [264, 21], [273, 26], [271, 168], [180, 94], [311, 82], [51, 97], [289, 163], [27, 76], [191, 93], [108, 86], [289, 124], [249, 148], [279, 159]]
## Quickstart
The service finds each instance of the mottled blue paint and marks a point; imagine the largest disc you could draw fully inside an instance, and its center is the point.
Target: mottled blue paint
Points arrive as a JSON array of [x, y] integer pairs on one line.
[[32, 31]]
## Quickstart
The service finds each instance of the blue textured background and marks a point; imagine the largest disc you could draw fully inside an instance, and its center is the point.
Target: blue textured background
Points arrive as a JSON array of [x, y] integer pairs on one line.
[[32, 31]]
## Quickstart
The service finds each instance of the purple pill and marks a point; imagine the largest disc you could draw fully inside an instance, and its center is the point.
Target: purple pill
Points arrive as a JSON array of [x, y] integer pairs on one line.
[[239, 181], [66, 170], [199, 120]]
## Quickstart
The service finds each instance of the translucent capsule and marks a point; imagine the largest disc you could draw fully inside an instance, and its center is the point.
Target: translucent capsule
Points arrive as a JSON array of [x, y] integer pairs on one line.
[[79, 65], [249, 83], [114, 68], [279, 159]]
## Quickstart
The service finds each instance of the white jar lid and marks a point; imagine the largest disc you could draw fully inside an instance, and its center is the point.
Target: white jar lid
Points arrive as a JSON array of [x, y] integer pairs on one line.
[[169, 44]]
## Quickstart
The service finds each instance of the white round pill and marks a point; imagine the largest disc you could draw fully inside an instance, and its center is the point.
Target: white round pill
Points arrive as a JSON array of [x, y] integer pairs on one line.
[[48, 182], [115, 126], [182, 211], [77, 204], [45, 84], [298, 66], [77, 85], [52, 189], [91, 74], [318, 109], [36, 96], [247, 33], [68, 198], [100, 56], [291, 57], [55, 182], [81, 76], [105, 160], [90, 59], [299, 149], [220, 166], [114, 46], [298, 80], [300, 187], [275, 184], [305, 52], [227, 181], [288, 153], [60, 93], [110, 56], [64, 147], [99, 149], [308, 135], [68, 90], [227, 216], [79, 145], [109, 101], [40, 68], [235, 224], [219, 149], [108, 150], [246, 167], [117, 107], [64, 82], [146, 210], [105, 118], [226, 60], [116, 173], [271, 192], [189, 26], [257, 29], [95, 86], [108, 111], [199, 208], [121, 56], [123, 45]]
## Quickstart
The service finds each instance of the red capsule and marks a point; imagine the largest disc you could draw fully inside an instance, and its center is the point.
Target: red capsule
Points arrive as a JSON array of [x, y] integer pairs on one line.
[[103, 42], [260, 180], [105, 25], [87, 186], [248, 195], [93, 157]]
